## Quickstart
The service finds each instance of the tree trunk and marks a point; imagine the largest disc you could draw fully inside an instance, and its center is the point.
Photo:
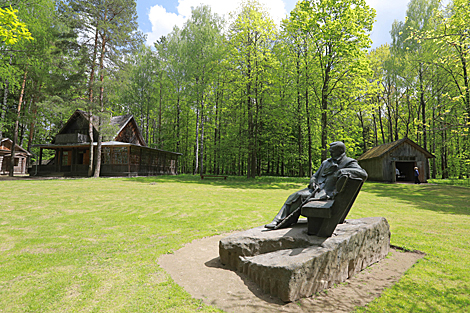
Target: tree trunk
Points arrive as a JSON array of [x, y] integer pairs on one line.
[[376, 139], [202, 134], [381, 125], [364, 132], [309, 132], [444, 167], [32, 125], [466, 120], [90, 100], [178, 123], [100, 118], [4, 106], [160, 113], [15, 134], [324, 116], [90, 134], [216, 131], [433, 161], [423, 107], [196, 154], [390, 125]]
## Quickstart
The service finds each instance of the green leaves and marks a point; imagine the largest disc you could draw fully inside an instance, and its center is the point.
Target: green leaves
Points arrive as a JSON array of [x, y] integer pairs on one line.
[[11, 28]]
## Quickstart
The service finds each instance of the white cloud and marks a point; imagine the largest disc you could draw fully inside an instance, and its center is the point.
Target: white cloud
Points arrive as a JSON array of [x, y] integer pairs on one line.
[[163, 21], [387, 12]]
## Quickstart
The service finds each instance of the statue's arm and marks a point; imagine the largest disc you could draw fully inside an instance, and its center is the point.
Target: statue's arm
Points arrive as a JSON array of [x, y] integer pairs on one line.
[[314, 178], [353, 169]]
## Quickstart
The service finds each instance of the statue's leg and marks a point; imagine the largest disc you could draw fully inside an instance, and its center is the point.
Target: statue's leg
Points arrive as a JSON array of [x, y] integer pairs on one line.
[[283, 213], [292, 219], [291, 204]]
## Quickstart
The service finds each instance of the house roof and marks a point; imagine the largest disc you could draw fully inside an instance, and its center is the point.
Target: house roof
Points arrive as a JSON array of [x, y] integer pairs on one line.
[[381, 150], [77, 114], [18, 148], [120, 121]]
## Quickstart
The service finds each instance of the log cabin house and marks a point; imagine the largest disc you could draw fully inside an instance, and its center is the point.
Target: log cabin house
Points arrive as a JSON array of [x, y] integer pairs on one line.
[[124, 154], [382, 161], [21, 156]]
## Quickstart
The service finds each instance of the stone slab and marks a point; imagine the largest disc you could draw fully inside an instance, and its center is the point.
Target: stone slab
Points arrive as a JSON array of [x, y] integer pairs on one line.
[[290, 264]]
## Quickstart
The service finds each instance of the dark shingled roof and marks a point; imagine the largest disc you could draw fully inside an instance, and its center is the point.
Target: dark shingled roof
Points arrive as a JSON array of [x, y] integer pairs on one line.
[[379, 151], [120, 121]]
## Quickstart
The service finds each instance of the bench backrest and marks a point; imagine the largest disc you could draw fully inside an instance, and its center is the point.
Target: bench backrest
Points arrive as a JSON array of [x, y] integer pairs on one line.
[[348, 194]]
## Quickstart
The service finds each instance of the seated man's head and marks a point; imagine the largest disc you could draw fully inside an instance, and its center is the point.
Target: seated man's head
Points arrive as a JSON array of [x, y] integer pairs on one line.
[[336, 149]]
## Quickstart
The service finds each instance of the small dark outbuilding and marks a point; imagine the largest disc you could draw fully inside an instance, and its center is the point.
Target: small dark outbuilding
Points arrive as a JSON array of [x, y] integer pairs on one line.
[[21, 156], [381, 162]]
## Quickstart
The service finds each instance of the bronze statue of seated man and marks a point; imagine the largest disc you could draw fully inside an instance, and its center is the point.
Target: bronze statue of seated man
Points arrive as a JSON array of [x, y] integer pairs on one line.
[[322, 184]]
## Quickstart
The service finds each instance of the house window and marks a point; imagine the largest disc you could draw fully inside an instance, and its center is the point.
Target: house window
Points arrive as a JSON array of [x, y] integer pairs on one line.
[[80, 157], [66, 158], [120, 155], [106, 155], [135, 156]]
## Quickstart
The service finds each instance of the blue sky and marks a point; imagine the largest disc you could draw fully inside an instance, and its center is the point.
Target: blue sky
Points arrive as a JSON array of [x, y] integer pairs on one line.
[[157, 17]]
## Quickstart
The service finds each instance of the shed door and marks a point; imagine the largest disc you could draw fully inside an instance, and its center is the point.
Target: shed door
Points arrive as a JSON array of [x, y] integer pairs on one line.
[[422, 171], [406, 171]]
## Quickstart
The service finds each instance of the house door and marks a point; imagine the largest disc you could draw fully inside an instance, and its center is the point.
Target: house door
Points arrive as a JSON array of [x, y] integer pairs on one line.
[[406, 171]]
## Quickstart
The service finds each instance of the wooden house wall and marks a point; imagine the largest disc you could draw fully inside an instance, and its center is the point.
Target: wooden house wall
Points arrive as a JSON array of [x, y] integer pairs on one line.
[[406, 153], [373, 167], [383, 168], [20, 168], [136, 161]]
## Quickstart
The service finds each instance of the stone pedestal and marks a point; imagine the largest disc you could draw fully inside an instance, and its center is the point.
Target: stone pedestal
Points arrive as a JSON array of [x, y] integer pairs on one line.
[[290, 264]]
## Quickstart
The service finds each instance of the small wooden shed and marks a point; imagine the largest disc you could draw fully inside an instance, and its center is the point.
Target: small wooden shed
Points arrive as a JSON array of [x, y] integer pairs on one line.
[[381, 162], [21, 155]]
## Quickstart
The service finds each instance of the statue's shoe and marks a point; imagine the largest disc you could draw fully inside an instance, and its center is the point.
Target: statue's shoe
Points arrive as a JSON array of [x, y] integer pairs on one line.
[[271, 225]]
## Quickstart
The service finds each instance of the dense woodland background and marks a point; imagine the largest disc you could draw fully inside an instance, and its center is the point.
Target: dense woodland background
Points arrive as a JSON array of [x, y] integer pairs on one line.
[[241, 95]]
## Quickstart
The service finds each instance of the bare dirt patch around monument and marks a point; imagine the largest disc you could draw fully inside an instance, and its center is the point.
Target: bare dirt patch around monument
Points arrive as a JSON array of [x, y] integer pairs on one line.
[[197, 268]]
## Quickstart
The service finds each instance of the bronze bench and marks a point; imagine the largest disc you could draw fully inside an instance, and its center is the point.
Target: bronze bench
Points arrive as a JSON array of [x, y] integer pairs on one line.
[[324, 215]]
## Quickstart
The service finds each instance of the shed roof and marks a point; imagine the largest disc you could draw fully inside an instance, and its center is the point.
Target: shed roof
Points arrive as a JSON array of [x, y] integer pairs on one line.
[[381, 150], [7, 151]]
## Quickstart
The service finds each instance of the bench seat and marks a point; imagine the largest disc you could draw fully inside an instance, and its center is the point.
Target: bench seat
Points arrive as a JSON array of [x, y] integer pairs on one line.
[[324, 215]]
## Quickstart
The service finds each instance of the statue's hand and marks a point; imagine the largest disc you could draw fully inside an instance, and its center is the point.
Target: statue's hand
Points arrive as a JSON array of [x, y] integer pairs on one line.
[[313, 183]]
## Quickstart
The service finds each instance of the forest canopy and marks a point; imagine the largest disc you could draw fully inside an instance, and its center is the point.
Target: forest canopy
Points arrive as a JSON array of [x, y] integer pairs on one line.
[[241, 95]]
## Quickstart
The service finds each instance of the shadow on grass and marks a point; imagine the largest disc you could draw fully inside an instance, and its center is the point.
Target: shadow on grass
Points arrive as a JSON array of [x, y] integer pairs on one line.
[[438, 198], [267, 182]]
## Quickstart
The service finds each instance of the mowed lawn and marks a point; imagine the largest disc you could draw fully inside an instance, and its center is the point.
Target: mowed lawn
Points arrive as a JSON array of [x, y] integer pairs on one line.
[[92, 245]]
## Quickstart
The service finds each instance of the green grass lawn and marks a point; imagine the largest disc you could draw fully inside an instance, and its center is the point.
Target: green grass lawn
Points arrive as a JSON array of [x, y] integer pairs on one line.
[[465, 182], [92, 244]]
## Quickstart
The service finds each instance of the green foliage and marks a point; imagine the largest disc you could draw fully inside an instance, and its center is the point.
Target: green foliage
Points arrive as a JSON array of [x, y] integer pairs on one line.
[[243, 96], [11, 29]]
